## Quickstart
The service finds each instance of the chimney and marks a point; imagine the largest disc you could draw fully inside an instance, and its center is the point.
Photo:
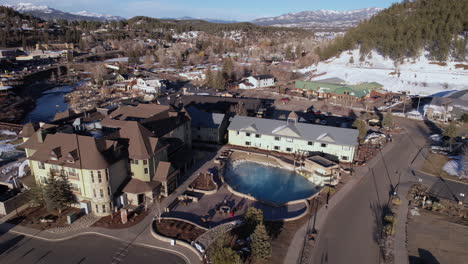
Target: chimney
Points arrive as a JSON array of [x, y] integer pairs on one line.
[[40, 135]]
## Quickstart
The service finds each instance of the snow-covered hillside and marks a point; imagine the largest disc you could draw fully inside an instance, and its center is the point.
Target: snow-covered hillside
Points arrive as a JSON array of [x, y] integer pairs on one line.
[[420, 76], [48, 13], [319, 19]]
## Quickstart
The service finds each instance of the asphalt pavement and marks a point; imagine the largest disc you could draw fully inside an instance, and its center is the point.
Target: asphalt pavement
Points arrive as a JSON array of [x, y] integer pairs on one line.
[[352, 230], [84, 249]]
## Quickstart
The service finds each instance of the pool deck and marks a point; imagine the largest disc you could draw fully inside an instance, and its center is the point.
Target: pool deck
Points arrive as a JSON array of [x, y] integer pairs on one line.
[[208, 203]]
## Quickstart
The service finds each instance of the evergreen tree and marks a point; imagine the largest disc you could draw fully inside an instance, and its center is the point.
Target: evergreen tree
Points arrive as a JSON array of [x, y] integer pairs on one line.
[[225, 256], [289, 54], [260, 245], [220, 83], [209, 77], [361, 127], [451, 132], [351, 60], [387, 121], [36, 194], [58, 193], [252, 218], [228, 68]]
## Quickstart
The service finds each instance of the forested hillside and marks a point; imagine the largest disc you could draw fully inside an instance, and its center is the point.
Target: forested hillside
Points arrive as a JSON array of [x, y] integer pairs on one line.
[[406, 29]]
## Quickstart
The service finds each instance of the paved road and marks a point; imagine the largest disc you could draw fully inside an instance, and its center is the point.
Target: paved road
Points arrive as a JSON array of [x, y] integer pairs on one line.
[[352, 229], [86, 249]]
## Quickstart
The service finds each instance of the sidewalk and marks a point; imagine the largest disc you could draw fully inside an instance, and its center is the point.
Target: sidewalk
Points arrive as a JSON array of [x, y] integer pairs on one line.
[[400, 250]]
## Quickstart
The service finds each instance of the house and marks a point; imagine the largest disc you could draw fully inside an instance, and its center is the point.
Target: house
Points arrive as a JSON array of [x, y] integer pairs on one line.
[[293, 137], [451, 107], [328, 89], [257, 81], [152, 86], [208, 127]]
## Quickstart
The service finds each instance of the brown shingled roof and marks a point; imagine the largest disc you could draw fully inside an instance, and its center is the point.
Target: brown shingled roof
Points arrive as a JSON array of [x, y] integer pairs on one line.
[[163, 172], [140, 111], [28, 130], [73, 150], [65, 114], [142, 143], [137, 186]]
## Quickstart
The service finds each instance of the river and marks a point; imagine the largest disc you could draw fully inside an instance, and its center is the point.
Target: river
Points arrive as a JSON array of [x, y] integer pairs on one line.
[[50, 102]]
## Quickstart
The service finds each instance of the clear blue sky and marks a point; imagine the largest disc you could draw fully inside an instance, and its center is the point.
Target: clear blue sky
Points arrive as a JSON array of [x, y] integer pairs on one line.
[[242, 10]]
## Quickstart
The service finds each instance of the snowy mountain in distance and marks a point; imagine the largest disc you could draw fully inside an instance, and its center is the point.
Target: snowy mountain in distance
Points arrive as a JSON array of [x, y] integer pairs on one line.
[[48, 13], [320, 19], [96, 15], [211, 20]]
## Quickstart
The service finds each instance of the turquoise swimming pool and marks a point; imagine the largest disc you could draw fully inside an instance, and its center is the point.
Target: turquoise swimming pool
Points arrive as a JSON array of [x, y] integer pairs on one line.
[[267, 183]]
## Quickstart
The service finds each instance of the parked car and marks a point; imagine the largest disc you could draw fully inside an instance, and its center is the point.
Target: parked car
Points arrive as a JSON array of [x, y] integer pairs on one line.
[[323, 122]]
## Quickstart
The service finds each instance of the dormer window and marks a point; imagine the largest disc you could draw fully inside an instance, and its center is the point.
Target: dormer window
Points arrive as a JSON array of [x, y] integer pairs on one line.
[[55, 154]]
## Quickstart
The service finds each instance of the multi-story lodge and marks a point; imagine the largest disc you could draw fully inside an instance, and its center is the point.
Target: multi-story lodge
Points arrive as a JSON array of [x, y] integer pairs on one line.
[[128, 157], [291, 136]]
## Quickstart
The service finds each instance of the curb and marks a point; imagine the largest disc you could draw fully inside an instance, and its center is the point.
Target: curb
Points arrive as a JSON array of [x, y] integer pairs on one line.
[[177, 242], [56, 240]]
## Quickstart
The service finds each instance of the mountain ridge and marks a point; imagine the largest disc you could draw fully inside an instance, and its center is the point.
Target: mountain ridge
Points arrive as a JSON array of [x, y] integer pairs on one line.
[[320, 19], [48, 13]]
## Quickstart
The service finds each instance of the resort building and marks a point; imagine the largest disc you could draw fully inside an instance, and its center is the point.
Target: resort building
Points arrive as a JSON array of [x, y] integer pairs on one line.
[[451, 107], [293, 137], [322, 170], [95, 168], [208, 127], [125, 157]]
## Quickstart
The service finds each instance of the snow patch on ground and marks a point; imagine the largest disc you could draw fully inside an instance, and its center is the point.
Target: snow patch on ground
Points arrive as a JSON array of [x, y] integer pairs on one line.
[[418, 77], [7, 132], [455, 167]]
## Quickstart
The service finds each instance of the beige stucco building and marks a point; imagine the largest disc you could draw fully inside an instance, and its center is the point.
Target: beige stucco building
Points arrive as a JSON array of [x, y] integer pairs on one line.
[[292, 137]]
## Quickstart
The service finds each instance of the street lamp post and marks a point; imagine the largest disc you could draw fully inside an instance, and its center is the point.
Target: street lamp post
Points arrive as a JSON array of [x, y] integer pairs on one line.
[[315, 231]]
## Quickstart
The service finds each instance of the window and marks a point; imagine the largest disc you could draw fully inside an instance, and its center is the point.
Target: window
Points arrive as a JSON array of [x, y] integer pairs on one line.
[[94, 193], [99, 176], [108, 191], [290, 140], [97, 209], [134, 162], [103, 208], [288, 149], [323, 145], [346, 148], [310, 143], [238, 133], [146, 170], [101, 192], [107, 175], [344, 157], [92, 176], [41, 166], [277, 148], [145, 162], [257, 135], [247, 134], [277, 138], [247, 143]]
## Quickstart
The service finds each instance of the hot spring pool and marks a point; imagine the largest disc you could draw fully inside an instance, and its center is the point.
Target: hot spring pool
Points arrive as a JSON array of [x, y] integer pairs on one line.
[[267, 183]]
